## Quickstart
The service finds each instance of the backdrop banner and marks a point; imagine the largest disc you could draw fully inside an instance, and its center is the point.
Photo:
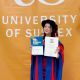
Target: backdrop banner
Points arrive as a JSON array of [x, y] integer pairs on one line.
[[21, 19]]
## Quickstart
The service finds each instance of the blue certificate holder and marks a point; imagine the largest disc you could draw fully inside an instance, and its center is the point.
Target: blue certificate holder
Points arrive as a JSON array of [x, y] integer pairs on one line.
[[37, 45]]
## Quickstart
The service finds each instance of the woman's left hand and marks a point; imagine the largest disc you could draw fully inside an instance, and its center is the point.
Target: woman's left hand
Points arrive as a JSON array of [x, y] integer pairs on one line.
[[57, 52]]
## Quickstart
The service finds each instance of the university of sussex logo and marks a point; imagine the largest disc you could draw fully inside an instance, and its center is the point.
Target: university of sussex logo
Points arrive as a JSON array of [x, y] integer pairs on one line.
[[21, 3]]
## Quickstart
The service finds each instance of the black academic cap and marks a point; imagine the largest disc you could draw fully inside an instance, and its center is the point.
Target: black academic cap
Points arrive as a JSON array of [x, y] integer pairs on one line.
[[51, 22]]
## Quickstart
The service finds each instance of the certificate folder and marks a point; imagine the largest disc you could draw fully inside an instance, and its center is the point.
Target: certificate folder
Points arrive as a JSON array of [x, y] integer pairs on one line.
[[51, 44], [37, 45]]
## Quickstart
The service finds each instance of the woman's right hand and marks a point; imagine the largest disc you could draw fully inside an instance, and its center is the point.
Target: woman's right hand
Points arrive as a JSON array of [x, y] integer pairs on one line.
[[30, 48]]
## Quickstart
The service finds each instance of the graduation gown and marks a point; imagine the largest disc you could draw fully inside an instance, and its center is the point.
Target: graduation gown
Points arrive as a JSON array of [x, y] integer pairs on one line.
[[47, 68]]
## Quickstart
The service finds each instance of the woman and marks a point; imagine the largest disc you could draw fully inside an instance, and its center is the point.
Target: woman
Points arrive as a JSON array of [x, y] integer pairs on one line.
[[44, 67]]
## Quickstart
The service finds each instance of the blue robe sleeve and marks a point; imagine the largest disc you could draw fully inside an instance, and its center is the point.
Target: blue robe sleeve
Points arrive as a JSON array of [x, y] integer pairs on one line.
[[59, 63]]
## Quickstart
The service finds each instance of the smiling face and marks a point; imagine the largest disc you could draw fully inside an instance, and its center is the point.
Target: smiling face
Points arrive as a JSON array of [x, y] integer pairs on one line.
[[47, 29]]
